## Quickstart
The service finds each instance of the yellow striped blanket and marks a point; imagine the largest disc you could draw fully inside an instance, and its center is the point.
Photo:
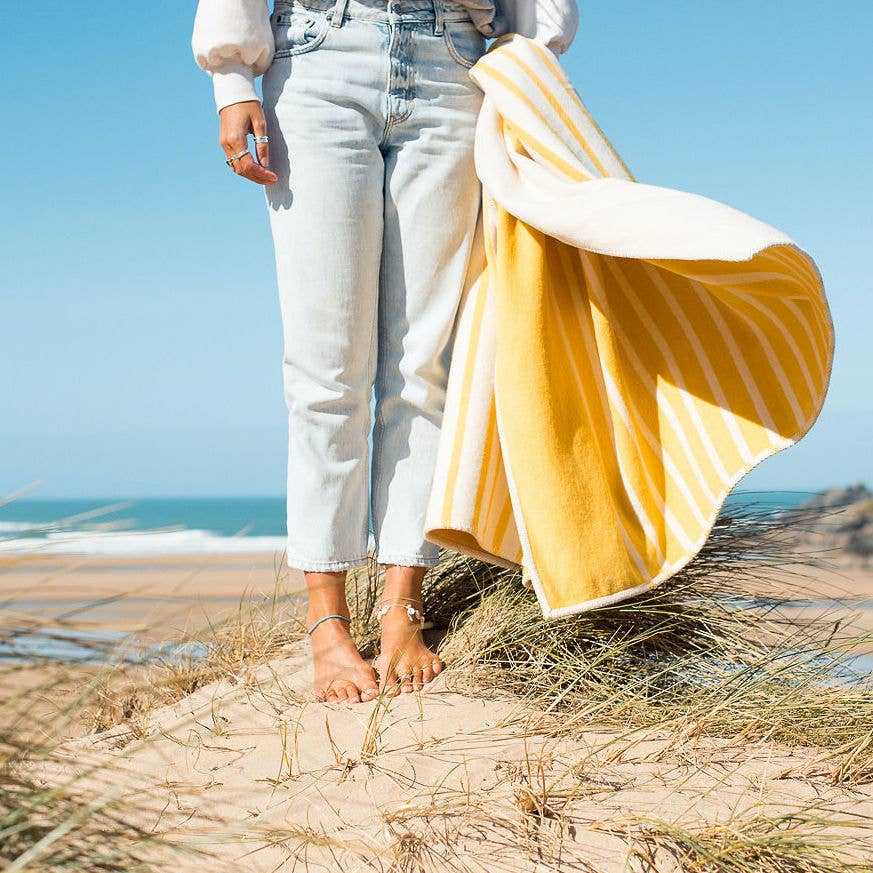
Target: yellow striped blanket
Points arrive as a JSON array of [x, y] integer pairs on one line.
[[624, 353]]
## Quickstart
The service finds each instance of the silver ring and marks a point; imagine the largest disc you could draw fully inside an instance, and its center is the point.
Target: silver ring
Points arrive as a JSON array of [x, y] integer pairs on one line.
[[236, 157], [262, 139]]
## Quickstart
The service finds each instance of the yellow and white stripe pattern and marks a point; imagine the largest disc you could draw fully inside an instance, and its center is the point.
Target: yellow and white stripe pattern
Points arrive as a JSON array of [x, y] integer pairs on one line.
[[624, 354]]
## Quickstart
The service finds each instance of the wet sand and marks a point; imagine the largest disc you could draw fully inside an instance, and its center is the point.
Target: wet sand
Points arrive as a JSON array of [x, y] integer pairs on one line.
[[165, 595], [842, 591], [169, 595]]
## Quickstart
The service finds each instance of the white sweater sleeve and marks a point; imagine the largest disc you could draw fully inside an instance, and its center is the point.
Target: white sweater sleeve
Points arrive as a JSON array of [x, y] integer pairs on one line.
[[553, 22], [233, 42]]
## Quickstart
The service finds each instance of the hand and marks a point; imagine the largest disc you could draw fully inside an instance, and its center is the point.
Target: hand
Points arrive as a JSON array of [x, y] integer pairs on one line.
[[237, 121]]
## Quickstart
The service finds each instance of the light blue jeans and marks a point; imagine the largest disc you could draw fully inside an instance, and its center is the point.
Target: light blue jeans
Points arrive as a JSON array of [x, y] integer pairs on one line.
[[371, 115]]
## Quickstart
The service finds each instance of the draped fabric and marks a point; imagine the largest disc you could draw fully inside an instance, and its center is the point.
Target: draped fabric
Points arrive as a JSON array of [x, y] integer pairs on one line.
[[624, 353], [551, 22]]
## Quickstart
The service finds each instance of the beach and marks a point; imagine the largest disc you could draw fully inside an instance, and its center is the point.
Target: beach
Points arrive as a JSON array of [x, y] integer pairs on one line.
[[229, 759], [247, 770]]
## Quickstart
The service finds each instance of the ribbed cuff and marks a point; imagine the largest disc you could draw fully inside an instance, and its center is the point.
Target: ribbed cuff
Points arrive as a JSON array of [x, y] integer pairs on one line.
[[233, 83]]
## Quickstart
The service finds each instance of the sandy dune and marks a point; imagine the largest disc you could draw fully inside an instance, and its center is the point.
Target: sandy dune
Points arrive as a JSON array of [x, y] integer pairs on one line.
[[254, 771], [261, 776]]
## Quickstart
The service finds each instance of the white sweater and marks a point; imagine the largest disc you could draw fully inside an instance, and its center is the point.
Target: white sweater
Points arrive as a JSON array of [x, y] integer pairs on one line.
[[233, 40]]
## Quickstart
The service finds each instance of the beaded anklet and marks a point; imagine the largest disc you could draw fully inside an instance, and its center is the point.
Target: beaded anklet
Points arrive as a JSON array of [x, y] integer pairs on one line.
[[325, 619]]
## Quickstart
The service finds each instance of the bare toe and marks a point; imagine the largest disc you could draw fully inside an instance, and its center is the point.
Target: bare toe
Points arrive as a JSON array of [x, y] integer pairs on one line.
[[392, 686], [370, 686], [404, 678], [340, 673]]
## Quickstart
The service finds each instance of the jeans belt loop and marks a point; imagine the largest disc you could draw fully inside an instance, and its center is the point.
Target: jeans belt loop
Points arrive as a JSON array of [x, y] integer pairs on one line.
[[338, 12], [437, 17]]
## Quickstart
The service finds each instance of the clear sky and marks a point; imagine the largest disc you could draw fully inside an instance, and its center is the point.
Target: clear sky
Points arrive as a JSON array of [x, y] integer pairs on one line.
[[140, 340]]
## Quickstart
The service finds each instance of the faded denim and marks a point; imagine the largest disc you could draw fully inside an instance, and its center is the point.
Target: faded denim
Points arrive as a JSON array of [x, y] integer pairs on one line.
[[371, 116]]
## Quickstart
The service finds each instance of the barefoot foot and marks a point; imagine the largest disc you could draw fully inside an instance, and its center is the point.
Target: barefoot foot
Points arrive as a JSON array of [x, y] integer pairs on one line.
[[341, 674], [404, 662]]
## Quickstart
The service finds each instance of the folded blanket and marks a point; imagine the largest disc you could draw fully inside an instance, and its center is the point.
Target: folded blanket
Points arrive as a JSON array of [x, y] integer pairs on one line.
[[624, 353]]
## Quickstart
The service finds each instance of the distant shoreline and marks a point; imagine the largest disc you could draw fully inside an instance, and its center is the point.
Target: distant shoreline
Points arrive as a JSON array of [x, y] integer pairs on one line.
[[160, 527]]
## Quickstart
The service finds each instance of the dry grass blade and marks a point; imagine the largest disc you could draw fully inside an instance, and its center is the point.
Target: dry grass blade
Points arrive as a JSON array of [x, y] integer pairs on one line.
[[805, 840], [60, 827]]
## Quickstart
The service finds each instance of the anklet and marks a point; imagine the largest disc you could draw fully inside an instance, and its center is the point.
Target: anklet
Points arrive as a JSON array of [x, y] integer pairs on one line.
[[325, 619], [411, 612]]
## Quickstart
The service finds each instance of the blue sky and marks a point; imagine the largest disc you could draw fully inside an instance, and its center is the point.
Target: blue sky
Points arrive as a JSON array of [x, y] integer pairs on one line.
[[140, 341]]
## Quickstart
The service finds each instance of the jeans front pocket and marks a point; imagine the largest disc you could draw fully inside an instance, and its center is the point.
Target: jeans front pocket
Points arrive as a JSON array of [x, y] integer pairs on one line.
[[465, 42], [297, 30]]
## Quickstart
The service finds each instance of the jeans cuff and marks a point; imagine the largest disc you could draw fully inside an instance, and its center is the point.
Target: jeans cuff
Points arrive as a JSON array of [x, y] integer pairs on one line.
[[416, 560], [322, 566]]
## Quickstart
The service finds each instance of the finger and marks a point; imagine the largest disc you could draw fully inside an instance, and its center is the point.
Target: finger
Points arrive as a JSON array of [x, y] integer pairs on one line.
[[233, 147], [242, 164], [246, 166], [255, 172], [232, 142], [237, 164], [259, 128]]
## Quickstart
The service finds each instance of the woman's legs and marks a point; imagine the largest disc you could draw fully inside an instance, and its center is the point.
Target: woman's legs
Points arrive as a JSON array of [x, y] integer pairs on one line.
[[372, 218]]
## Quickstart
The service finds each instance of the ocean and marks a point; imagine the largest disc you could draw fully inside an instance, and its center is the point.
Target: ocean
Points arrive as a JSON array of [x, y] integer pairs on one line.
[[205, 525]]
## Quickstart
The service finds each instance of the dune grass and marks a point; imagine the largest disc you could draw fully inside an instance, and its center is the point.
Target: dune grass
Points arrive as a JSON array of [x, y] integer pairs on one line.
[[56, 825], [711, 651], [755, 840]]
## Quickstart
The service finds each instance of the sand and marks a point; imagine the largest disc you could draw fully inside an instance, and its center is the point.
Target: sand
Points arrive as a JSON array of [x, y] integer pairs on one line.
[[164, 595], [841, 591], [253, 770], [155, 599], [262, 777]]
